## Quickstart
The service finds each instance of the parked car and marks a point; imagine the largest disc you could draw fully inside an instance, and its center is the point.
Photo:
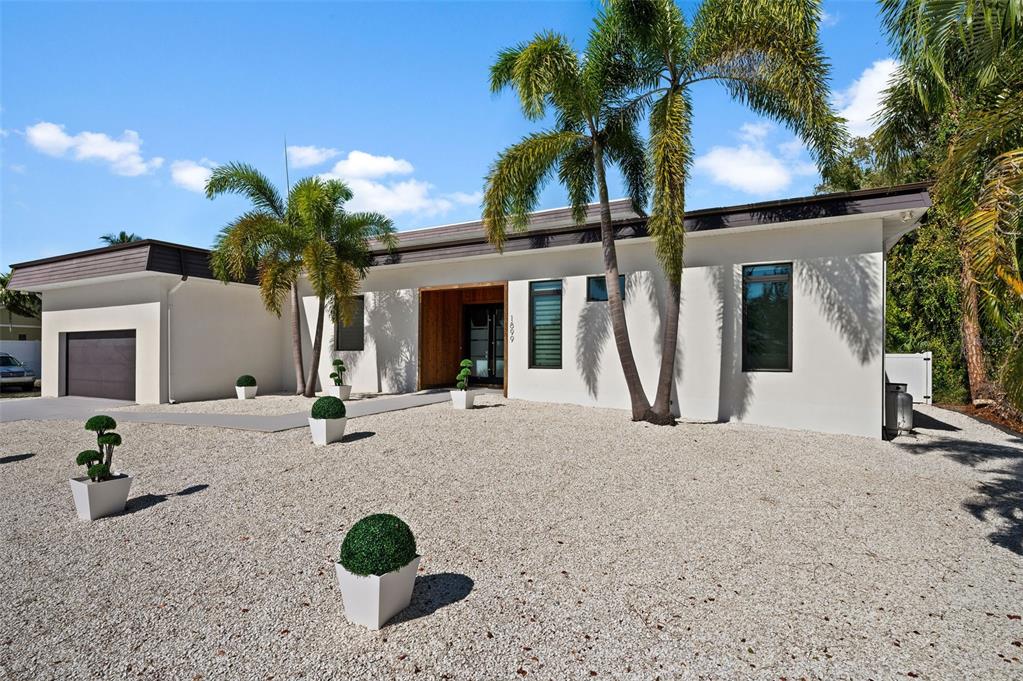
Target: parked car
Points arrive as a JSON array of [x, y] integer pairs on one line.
[[15, 374]]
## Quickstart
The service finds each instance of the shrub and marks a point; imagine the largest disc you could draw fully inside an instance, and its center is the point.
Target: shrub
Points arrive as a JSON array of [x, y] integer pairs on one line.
[[462, 379], [245, 381], [328, 408], [376, 545], [339, 372], [97, 463]]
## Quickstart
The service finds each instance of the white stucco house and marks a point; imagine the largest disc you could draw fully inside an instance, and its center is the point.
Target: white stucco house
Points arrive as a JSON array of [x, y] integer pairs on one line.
[[782, 319]]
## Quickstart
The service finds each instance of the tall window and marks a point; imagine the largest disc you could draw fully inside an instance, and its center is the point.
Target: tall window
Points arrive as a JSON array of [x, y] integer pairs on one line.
[[545, 325], [767, 317], [596, 287], [352, 336]]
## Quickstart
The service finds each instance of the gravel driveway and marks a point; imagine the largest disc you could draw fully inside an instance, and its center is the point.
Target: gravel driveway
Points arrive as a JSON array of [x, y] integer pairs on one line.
[[559, 542]]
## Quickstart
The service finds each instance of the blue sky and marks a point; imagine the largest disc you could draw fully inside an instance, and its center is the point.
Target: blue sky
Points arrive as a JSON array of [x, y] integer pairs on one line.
[[112, 113]]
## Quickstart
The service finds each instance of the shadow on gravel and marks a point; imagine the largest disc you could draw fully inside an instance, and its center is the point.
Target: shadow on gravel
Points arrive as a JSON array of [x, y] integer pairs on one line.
[[999, 499], [921, 420], [14, 458], [360, 435], [486, 406], [141, 503], [433, 592]]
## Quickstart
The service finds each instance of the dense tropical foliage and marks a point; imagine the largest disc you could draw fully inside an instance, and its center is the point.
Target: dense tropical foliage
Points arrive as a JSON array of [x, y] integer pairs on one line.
[[17, 302]]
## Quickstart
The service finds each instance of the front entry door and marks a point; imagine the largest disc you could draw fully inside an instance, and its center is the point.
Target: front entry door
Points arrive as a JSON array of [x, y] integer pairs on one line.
[[484, 342]]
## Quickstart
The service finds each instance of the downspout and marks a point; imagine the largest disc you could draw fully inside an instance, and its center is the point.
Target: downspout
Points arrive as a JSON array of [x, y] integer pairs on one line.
[[171, 292]]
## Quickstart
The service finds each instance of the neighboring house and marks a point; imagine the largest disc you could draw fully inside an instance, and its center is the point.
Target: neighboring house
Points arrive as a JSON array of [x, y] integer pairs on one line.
[[782, 319], [14, 327]]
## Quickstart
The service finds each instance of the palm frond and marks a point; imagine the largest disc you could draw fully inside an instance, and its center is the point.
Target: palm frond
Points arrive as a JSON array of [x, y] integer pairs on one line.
[[993, 232], [244, 243], [244, 179], [671, 152], [538, 71]]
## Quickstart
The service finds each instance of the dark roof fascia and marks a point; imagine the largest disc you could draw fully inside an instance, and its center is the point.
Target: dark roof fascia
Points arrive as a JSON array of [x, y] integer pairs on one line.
[[109, 249]]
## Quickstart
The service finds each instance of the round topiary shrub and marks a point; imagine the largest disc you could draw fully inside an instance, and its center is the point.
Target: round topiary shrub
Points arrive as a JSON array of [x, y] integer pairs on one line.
[[245, 381], [100, 424], [328, 408], [376, 545]]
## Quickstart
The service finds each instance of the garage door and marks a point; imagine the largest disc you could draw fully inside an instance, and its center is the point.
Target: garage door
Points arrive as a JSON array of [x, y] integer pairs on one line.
[[101, 364]]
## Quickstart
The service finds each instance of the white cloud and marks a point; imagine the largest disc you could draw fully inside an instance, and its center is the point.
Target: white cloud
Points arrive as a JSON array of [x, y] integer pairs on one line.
[[751, 167], [192, 175], [828, 19], [306, 157], [374, 190], [18, 168], [861, 101], [359, 164], [124, 155]]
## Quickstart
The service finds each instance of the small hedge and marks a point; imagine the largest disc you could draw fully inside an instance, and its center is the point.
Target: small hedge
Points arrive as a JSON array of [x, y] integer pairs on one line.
[[246, 381], [376, 545], [328, 408]]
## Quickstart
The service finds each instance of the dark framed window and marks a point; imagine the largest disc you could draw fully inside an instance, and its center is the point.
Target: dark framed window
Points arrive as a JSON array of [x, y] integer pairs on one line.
[[767, 317], [352, 336], [545, 325], [596, 288]]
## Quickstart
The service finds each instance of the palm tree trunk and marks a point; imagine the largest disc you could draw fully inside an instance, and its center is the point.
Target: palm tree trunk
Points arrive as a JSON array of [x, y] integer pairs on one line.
[[314, 366], [660, 413], [296, 340], [640, 405], [973, 348]]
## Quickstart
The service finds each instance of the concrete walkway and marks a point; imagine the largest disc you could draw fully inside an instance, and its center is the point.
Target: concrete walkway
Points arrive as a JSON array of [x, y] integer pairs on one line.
[[59, 408]]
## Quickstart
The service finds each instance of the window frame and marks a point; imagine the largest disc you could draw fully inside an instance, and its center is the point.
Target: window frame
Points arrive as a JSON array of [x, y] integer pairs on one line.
[[532, 323], [621, 287], [337, 328], [768, 278]]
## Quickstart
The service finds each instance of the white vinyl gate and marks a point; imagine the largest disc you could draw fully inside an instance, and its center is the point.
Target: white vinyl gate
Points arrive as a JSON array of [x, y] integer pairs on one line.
[[912, 369]]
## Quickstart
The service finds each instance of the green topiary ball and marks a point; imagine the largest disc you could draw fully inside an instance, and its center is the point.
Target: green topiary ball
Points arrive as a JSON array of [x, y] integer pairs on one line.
[[100, 422], [328, 408], [377, 544], [245, 381]]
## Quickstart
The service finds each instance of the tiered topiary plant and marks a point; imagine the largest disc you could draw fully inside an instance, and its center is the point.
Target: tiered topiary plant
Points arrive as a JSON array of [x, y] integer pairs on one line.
[[98, 463], [462, 379], [328, 408], [245, 381], [376, 545], [339, 372]]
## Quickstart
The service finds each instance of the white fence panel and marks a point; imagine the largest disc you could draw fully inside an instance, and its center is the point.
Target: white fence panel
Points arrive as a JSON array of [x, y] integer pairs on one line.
[[28, 352], [912, 369]]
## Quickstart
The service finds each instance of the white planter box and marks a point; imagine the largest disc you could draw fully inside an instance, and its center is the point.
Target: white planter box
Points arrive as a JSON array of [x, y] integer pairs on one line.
[[371, 600], [246, 393], [463, 399], [342, 392], [326, 431], [97, 499]]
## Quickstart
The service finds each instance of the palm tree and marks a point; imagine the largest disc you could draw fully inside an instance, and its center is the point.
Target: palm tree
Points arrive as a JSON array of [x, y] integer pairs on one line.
[[309, 233], [767, 54], [122, 237], [590, 132], [17, 302], [336, 255], [961, 80]]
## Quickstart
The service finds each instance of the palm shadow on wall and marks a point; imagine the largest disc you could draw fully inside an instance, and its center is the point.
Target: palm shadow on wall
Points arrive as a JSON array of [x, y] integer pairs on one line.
[[735, 387], [388, 316], [849, 298], [999, 499]]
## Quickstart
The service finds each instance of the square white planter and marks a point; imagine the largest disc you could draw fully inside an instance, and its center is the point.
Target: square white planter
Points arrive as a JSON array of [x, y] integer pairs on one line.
[[463, 399], [326, 431], [246, 392], [342, 392], [97, 499], [371, 600]]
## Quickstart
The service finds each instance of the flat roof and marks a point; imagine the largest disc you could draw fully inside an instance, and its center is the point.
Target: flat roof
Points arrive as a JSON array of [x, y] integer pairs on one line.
[[545, 229]]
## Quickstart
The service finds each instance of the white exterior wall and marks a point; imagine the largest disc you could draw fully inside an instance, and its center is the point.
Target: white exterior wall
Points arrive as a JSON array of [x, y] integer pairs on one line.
[[836, 384], [218, 332]]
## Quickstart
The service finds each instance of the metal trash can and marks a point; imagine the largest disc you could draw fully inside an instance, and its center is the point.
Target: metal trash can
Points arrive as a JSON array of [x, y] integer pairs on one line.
[[898, 409]]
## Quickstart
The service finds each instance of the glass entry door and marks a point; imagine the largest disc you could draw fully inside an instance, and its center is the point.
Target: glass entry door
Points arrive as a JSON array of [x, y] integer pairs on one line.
[[484, 342]]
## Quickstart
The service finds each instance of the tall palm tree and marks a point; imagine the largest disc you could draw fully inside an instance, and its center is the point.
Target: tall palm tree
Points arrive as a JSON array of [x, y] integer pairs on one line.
[[122, 237], [336, 255], [961, 79], [308, 233], [767, 55], [591, 131]]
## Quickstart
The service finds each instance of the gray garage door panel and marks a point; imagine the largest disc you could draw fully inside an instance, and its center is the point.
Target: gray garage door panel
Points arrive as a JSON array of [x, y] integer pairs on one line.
[[101, 364]]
